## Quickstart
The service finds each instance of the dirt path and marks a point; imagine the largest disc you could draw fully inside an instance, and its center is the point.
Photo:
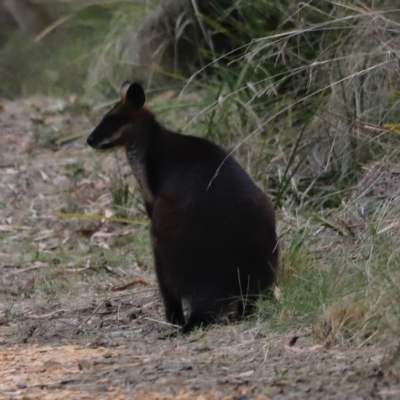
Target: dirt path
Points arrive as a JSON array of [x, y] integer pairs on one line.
[[65, 334], [226, 363]]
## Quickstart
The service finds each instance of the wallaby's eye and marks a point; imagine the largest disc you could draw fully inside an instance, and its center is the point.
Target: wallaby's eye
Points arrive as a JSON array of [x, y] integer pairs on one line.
[[114, 123]]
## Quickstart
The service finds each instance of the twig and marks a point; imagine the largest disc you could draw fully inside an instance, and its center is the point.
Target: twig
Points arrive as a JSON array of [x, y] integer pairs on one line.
[[94, 312], [162, 322], [48, 315], [101, 217], [21, 271]]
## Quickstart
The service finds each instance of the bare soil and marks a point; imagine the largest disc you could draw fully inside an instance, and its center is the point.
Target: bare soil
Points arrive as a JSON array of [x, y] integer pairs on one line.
[[65, 333]]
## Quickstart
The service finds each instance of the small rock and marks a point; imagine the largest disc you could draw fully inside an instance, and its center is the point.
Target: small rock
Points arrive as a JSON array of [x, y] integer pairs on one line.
[[51, 365], [84, 365]]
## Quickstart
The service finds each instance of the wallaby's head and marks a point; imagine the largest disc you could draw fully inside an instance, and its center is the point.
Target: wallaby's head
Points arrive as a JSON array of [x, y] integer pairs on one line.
[[113, 130]]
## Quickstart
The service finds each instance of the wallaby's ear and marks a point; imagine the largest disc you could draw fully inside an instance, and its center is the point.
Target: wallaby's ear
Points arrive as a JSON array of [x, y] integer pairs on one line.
[[124, 89], [133, 93]]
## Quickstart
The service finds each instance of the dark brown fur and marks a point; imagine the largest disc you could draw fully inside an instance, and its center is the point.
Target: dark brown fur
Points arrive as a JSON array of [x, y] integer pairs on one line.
[[213, 235]]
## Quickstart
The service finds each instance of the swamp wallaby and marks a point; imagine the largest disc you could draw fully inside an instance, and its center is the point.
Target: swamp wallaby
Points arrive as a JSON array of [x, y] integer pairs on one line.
[[212, 228]]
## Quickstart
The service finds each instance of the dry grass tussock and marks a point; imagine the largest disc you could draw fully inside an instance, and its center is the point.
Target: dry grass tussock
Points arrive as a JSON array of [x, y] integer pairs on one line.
[[342, 316]]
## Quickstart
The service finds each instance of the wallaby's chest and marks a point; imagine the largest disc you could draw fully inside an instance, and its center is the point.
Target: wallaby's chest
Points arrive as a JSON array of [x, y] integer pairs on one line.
[[137, 162]]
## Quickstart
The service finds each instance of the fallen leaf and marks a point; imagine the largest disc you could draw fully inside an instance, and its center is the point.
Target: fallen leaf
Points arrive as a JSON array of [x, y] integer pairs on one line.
[[293, 341], [260, 397], [245, 374], [87, 232], [45, 177], [108, 213], [277, 292], [300, 350], [52, 365], [127, 232], [39, 264], [24, 148], [389, 392], [101, 234], [77, 188], [30, 284], [377, 358], [100, 185], [84, 365], [137, 281], [87, 200]]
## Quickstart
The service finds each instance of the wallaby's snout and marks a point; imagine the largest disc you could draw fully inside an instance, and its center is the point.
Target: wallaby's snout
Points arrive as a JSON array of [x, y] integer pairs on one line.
[[91, 141], [100, 138]]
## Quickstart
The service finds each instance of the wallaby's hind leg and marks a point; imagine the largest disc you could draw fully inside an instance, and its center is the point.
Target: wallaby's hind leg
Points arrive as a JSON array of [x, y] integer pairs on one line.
[[205, 314], [172, 302], [197, 319], [173, 310]]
